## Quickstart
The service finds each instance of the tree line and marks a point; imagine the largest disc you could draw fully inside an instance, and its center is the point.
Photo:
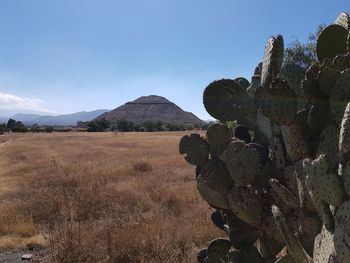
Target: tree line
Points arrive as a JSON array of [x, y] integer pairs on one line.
[[150, 126]]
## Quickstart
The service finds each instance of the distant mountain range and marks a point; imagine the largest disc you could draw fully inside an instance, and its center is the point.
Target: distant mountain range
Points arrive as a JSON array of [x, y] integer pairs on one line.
[[58, 120], [145, 108], [151, 108]]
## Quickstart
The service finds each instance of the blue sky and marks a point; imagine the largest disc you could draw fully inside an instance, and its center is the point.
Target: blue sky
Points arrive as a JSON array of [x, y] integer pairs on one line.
[[70, 55]]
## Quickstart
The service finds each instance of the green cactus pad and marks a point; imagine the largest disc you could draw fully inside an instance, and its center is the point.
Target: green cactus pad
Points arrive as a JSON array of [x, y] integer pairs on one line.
[[303, 193], [289, 177], [326, 79], [226, 100], [270, 228], [323, 210], [258, 69], [318, 116], [242, 162], [296, 146], [218, 249], [312, 72], [215, 174], [273, 59], [195, 148], [340, 96], [344, 138], [331, 42], [324, 185], [344, 172], [277, 152], [218, 137], [341, 62], [341, 232], [240, 232], [343, 20], [264, 128], [247, 254], [328, 145], [323, 246], [285, 194], [268, 246], [310, 226], [253, 86], [245, 202], [277, 102], [212, 197], [294, 247], [243, 82], [311, 90], [294, 74]]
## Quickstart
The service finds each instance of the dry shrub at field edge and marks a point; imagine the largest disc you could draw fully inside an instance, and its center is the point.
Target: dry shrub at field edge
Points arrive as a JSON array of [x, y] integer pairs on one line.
[[102, 197]]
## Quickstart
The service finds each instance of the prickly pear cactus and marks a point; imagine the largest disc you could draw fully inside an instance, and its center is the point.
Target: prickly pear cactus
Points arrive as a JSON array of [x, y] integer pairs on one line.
[[280, 181]]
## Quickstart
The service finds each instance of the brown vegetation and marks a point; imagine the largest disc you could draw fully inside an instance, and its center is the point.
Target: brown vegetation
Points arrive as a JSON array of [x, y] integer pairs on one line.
[[101, 197]]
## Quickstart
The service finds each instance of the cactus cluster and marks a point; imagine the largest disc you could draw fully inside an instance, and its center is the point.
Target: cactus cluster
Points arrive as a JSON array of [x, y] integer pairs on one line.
[[280, 181]]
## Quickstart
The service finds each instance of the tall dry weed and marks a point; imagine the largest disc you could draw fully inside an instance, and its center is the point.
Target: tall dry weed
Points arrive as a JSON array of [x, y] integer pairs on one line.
[[105, 198]]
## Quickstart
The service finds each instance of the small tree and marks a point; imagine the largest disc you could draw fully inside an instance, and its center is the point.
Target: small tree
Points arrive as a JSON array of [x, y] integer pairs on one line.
[[11, 124], [303, 54], [124, 125]]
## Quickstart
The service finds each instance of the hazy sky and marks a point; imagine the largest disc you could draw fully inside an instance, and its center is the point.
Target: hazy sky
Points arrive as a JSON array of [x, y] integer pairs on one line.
[[71, 55]]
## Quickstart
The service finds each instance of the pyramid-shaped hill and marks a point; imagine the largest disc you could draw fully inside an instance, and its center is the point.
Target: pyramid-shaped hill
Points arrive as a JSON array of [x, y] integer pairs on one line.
[[151, 108]]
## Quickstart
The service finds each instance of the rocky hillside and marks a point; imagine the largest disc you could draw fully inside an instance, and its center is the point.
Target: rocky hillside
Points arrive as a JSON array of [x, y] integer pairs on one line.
[[151, 108]]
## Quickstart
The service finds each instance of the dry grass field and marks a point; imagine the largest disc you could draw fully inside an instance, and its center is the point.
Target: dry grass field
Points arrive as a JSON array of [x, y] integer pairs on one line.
[[101, 197]]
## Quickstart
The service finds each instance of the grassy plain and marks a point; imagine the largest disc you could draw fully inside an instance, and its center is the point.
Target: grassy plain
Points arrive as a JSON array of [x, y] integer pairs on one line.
[[101, 197]]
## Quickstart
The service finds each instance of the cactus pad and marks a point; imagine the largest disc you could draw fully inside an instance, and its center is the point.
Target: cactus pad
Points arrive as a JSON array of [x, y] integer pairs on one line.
[[344, 172], [341, 62], [217, 250], [264, 128], [218, 137], [277, 102], [226, 100], [323, 184], [212, 197], [294, 142], [344, 138], [318, 116], [341, 232], [273, 59], [277, 152], [254, 84], [312, 72], [323, 246], [195, 148], [285, 194], [244, 201], [293, 244], [331, 42], [242, 162], [243, 82], [241, 234], [216, 176], [343, 20], [328, 145], [340, 96], [326, 79], [294, 74]]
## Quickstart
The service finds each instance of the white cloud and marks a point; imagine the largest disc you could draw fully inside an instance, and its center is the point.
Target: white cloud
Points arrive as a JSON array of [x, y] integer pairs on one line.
[[10, 101]]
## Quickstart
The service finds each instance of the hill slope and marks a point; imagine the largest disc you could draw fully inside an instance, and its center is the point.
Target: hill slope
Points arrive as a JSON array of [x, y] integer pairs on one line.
[[59, 120], [151, 108]]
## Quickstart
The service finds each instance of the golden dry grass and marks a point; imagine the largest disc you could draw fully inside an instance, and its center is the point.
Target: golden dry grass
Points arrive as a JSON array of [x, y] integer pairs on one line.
[[101, 197]]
